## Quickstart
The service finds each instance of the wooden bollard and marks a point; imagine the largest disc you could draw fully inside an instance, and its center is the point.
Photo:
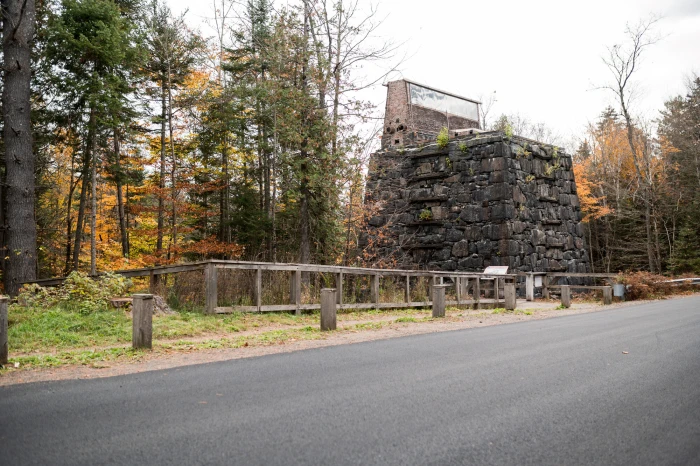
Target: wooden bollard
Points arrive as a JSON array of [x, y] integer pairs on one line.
[[328, 309], [509, 296], [439, 300], [607, 295], [142, 321], [566, 296], [4, 348]]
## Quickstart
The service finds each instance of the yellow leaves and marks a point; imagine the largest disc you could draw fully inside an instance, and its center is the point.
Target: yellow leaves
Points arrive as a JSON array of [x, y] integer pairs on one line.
[[593, 207]]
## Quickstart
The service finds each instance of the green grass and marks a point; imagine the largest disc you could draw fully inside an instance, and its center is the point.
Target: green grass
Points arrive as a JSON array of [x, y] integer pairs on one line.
[[33, 329], [405, 319]]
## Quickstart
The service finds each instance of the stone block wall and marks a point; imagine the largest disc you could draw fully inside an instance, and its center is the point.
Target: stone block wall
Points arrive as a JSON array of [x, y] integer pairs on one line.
[[483, 200]]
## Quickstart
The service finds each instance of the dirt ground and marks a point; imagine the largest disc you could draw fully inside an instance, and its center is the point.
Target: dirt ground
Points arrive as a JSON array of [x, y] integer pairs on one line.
[[346, 334]]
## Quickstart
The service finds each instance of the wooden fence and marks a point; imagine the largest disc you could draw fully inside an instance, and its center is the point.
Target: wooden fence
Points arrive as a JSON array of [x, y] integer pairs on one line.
[[465, 284]]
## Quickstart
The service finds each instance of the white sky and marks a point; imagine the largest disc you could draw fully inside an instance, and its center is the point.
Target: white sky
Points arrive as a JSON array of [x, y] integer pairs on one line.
[[542, 57]]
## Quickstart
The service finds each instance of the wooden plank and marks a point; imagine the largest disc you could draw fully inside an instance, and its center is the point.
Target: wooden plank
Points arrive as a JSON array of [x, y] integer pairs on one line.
[[586, 287], [339, 287], [375, 288], [407, 291], [4, 346], [258, 288], [210, 288], [297, 291], [142, 321], [458, 288], [530, 287], [587, 275], [477, 292]]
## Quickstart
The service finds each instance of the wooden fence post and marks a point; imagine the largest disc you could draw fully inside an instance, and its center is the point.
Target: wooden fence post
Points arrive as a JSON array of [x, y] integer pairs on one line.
[[339, 287], [458, 289], [375, 288], [142, 321], [328, 309], [530, 287], [407, 296], [4, 346], [477, 292], [439, 300], [210, 284], [545, 287], [509, 296], [258, 288], [566, 296], [607, 295], [152, 283], [296, 285]]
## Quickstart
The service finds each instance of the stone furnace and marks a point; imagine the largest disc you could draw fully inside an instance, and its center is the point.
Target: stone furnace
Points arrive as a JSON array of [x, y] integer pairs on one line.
[[477, 199]]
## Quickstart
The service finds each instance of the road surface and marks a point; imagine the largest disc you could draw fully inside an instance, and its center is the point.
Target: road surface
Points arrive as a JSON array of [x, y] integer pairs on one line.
[[613, 387]]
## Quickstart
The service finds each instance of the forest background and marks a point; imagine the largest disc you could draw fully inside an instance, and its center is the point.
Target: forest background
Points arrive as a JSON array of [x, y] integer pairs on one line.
[[153, 143]]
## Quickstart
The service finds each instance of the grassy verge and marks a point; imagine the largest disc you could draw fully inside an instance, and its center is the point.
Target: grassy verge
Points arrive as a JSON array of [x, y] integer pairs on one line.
[[68, 334]]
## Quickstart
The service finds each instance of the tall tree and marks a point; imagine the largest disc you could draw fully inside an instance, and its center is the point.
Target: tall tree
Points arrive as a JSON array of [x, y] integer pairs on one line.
[[623, 62], [18, 18]]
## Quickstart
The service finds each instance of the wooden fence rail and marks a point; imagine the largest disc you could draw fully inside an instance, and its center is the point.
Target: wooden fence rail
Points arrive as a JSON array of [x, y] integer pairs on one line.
[[463, 282]]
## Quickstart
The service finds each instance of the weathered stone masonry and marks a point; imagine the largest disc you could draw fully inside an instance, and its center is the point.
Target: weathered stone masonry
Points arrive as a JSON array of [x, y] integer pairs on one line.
[[485, 199]]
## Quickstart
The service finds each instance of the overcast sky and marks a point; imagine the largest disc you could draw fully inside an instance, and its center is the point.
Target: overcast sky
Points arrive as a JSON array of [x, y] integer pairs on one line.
[[542, 57]]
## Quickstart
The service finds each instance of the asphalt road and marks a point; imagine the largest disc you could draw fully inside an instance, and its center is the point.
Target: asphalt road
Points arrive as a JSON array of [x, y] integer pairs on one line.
[[558, 391]]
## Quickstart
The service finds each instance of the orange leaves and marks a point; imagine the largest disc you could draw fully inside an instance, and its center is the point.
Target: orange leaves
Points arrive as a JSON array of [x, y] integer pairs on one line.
[[593, 207]]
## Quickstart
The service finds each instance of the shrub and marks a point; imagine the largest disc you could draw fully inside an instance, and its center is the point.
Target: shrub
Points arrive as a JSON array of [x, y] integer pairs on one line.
[[645, 285], [443, 138], [426, 214], [78, 290], [508, 130]]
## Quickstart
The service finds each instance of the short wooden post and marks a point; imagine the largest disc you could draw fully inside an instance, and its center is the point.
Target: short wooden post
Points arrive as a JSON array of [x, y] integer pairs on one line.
[[210, 284], [328, 309], [439, 300], [509, 296], [530, 287], [477, 292], [339, 288], [375, 288], [407, 293], [607, 295], [566, 296], [142, 321], [4, 347], [258, 289]]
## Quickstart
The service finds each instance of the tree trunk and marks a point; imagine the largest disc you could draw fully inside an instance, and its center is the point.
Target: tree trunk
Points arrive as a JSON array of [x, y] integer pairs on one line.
[[120, 197], [18, 35], [642, 180], [173, 170], [81, 213], [93, 207], [161, 184], [69, 216]]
